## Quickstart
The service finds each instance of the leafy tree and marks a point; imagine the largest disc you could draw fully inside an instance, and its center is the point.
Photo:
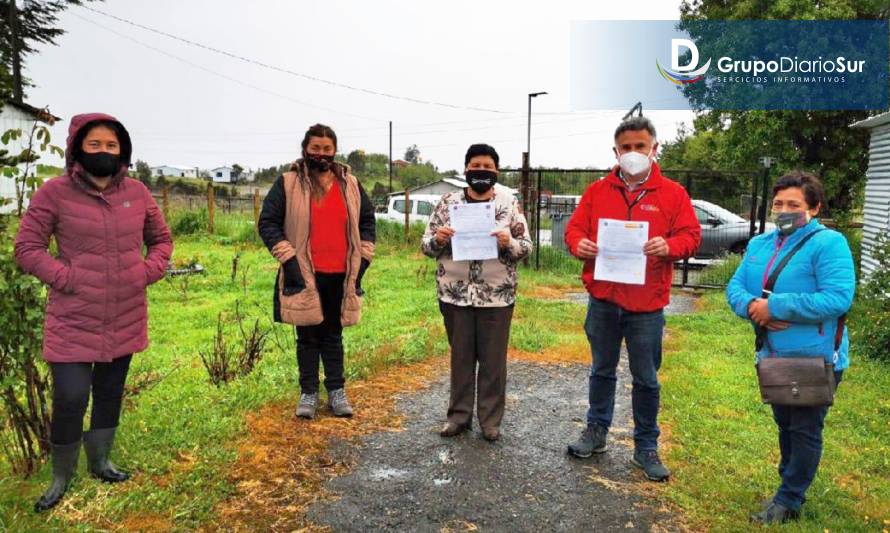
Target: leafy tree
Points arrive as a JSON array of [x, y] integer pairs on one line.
[[237, 170], [412, 154], [37, 25], [143, 172], [414, 175], [356, 160], [818, 141], [5, 82]]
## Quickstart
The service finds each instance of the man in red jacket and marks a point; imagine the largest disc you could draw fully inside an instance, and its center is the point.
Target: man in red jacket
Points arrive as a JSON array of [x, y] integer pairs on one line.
[[634, 190]]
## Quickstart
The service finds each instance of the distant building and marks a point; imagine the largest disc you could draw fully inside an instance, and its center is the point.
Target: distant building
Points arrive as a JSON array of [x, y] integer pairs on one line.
[[445, 185], [174, 171], [227, 175], [222, 175]]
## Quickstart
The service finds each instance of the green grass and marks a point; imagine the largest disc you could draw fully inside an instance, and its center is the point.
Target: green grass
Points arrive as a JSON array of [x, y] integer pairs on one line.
[[720, 272], [724, 446], [181, 435], [185, 420]]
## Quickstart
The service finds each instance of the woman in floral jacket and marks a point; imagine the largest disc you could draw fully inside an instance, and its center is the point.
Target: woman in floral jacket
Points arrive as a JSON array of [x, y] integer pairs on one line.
[[476, 297]]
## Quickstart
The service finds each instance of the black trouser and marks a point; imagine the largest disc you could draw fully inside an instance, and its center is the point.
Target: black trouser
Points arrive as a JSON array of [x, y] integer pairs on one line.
[[324, 341], [72, 383], [478, 336]]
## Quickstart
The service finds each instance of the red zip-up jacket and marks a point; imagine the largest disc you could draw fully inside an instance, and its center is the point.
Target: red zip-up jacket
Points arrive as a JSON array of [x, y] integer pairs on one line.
[[661, 202]]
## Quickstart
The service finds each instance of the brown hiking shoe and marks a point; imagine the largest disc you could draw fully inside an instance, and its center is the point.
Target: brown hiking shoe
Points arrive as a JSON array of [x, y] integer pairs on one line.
[[451, 429], [491, 434]]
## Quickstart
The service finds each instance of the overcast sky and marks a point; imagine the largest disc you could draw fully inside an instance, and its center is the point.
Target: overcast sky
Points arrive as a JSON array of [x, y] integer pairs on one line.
[[188, 106]]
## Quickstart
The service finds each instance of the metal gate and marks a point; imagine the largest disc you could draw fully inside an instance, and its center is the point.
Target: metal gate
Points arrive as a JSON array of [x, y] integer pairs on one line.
[[729, 205]]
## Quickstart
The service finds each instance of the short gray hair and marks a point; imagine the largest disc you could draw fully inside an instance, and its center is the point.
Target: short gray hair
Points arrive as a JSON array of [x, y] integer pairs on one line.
[[635, 124]]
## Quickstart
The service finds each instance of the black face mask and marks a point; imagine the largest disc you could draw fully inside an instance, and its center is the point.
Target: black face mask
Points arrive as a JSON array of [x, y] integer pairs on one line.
[[100, 164], [319, 163], [481, 181]]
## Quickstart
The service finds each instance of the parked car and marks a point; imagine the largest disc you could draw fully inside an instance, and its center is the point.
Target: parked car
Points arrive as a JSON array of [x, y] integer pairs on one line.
[[722, 230], [420, 208]]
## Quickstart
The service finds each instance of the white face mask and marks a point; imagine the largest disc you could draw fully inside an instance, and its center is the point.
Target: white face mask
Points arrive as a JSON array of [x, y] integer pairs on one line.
[[634, 164]]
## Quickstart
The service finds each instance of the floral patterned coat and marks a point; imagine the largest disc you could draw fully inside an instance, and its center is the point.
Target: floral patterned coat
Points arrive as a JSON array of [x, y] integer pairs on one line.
[[489, 283]]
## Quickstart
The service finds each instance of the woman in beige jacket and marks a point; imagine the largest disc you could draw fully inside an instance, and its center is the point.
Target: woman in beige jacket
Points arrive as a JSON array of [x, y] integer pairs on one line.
[[319, 224]]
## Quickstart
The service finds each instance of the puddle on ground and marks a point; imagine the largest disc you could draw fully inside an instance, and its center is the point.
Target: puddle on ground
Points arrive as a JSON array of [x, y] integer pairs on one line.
[[384, 474]]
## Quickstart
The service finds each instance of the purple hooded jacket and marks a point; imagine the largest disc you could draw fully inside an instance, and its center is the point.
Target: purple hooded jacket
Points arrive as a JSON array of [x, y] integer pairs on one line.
[[96, 309]]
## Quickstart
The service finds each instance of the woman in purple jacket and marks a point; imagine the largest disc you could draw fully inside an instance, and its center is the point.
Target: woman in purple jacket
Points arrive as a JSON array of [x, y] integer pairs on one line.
[[96, 315]]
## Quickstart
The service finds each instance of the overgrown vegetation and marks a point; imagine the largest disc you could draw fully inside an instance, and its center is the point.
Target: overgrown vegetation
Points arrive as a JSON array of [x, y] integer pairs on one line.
[[24, 377], [226, 361], [869, 321]]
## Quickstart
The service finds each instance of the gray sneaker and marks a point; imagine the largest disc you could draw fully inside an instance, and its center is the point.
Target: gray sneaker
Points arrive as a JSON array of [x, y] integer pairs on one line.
[[338, 404], [593, 440], [650, 463], [775, 513], [307, 406]]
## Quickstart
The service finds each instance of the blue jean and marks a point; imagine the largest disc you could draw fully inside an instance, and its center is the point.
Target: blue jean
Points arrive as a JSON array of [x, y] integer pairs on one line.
[[800, 444], [607, 324]]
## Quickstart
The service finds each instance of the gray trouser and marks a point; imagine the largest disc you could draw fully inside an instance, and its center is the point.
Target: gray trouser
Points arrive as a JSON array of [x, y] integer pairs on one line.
[[477, 335]]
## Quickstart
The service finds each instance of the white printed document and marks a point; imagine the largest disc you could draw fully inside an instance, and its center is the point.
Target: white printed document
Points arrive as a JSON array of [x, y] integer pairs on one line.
[[472, 225], [620, 251]]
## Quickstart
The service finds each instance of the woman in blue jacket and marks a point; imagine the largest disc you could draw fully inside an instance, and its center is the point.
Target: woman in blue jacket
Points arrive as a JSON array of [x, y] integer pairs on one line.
[[801, 317]]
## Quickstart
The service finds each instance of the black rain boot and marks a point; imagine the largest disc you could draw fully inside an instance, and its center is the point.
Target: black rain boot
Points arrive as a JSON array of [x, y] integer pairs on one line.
[[97, 443], [64, 458]]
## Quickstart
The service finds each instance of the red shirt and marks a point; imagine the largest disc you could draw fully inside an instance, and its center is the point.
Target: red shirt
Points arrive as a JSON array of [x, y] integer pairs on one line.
[[327, 234], [661, 202]]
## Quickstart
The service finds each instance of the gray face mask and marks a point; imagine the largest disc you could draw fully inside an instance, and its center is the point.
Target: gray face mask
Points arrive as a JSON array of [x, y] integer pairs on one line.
[[788, 223]]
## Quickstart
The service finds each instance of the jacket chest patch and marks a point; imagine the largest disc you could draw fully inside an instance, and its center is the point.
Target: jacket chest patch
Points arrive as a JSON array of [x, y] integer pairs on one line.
[[649, 207]]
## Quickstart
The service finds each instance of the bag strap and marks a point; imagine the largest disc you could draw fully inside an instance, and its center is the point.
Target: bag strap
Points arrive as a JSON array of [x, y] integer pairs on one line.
[[839, 334], [771, 281], [761, 332]]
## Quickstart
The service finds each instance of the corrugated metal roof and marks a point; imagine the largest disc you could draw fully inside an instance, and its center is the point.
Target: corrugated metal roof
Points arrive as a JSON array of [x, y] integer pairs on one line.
[[872, 122]]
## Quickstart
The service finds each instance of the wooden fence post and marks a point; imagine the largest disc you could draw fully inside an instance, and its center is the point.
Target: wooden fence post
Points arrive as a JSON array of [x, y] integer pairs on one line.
[[210, 207], [165, 203], [407, 214], [256, 208]]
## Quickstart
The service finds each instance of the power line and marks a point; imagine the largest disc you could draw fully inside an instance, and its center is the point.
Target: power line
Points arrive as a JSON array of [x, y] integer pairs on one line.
[[223, 76], [288, 71], [365, 132], [423, 146]]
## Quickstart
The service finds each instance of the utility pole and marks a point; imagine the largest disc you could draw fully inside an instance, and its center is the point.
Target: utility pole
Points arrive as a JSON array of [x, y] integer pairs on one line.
[[390, 156], [525, 183], [17, 91], [767, 162]]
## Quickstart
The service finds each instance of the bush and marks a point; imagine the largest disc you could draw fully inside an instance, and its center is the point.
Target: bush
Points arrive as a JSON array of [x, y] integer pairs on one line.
[[870, 317], [185, 187], [189, 222], [24, 377], [390, 233], [225, 362]]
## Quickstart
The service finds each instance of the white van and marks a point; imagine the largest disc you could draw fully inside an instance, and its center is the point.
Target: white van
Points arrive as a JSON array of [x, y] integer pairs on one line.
[[420, 208]]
